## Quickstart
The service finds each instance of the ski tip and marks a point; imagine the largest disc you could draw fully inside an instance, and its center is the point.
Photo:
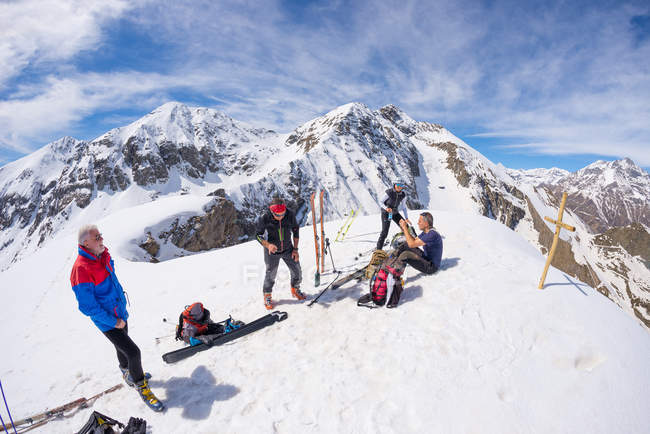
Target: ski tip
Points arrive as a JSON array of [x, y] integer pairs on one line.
[[281, 316]]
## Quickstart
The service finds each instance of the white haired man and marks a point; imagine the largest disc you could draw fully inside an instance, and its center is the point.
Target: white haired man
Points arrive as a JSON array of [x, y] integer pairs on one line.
[[101, 297]]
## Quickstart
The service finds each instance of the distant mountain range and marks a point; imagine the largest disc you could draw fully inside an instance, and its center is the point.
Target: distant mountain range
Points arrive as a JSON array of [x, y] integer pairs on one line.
[[604, 194], [354, 154]]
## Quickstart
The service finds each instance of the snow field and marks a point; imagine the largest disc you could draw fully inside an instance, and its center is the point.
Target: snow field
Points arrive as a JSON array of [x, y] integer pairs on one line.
[[474, 348]]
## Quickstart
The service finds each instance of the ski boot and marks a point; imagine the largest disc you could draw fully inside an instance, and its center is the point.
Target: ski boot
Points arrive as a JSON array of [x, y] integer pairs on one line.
[[148, 397], [128, 379], [297, 293], [268, 303]]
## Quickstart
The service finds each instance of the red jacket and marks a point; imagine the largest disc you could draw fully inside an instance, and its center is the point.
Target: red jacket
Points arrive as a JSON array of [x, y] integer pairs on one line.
[[97, 289]]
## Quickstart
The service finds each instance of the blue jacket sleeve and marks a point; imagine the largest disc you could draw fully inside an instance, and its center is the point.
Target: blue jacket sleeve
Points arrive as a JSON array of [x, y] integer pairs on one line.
[[85, 293]]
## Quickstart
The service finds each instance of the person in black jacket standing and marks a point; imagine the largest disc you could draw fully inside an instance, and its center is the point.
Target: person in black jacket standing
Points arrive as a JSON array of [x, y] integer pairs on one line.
[[390, 205], [278, 225]]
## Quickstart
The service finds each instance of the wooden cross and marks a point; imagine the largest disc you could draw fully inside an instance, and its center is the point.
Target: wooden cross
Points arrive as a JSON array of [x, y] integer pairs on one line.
[[558, 226]]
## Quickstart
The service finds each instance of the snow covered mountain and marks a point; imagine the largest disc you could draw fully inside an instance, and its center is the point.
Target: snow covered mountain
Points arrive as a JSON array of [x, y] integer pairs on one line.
[[218, 174], [538, 176], [604, 194], [474, 348]]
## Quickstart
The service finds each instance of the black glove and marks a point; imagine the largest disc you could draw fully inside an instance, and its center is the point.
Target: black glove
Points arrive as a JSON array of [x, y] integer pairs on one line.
[[136, 426]]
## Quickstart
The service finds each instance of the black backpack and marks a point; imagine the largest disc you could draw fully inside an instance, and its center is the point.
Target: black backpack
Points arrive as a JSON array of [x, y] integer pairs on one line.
[[102, 424]]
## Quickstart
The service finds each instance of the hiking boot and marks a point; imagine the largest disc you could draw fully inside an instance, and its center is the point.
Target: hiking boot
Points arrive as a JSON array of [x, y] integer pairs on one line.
[[128, 379], [148, 397], [268, 303], [297, 293], [366, 301]]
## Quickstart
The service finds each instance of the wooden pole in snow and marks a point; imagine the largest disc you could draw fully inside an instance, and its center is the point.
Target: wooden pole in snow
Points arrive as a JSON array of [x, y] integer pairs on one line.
[[558, 226]]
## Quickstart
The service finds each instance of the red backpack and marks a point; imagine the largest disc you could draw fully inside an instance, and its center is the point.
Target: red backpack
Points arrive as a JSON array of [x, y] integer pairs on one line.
[[194, 315], [379, 289]]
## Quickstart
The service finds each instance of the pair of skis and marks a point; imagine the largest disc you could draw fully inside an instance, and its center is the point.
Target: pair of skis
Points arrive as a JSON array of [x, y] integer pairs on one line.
[[346, 225], [66, 410], [320, 249], [260, 323]]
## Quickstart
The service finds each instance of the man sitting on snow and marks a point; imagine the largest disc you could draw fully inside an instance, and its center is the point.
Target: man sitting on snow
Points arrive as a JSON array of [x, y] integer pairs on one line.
[[386, 284], [426, 261]]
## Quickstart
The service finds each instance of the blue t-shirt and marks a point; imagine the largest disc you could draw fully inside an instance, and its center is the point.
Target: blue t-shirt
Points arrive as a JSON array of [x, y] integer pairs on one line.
[[432, 247]]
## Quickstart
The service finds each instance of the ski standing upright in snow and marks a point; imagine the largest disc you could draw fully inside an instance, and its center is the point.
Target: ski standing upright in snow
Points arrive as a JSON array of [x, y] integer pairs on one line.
[[322, 234], [313, 215]]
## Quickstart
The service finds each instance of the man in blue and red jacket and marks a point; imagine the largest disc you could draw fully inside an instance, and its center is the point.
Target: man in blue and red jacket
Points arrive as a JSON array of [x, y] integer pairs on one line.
[[102, 298]]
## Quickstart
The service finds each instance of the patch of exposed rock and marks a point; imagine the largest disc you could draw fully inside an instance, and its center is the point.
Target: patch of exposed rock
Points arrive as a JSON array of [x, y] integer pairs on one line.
[[218, 227], [634, 238], [494, 203], [151, 246]]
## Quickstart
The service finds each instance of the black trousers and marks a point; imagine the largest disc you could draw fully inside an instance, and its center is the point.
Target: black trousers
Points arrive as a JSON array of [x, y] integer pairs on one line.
[[272, 262], [128, 353], [414, 258], [385, 225]]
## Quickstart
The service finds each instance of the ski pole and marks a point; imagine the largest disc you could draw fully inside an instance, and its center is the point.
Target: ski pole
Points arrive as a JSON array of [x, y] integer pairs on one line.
[[323, 291], [329, 249], [8, 412]]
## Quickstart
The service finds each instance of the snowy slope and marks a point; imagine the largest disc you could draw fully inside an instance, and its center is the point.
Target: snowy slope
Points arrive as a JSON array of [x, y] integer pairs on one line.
[[473, 348]]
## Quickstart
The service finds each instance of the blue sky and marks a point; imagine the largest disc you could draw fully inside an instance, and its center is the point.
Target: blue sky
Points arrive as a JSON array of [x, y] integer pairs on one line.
[[528, 84]]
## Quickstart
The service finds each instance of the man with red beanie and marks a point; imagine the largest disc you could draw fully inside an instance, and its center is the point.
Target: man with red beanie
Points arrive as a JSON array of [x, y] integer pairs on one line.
[[274, 232]]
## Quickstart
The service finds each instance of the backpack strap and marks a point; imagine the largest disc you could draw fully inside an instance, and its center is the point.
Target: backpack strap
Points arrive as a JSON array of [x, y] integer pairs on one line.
[[179, 327]]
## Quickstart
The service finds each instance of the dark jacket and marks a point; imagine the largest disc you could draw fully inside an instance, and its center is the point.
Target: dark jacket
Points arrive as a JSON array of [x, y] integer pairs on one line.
[[278, 232], [393, 199], [98, 291]]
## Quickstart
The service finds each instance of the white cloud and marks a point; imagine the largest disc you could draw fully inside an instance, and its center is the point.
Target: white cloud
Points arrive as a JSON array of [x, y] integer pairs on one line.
[[557, 77], [59, 103], [35, 31]]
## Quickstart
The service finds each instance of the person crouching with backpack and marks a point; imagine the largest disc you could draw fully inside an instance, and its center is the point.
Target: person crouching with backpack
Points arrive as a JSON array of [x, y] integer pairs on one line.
[[426, 261], [101, 297], [274, 231]]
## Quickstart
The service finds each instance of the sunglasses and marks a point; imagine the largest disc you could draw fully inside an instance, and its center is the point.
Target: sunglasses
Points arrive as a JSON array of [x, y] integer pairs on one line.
[[98, 237]]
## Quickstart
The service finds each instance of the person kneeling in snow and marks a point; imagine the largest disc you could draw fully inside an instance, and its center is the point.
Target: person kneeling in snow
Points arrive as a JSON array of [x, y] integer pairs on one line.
[[101, 297], [427, 261]]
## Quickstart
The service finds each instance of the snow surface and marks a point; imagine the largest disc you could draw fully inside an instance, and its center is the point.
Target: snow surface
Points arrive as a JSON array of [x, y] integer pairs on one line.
[[474, 348]]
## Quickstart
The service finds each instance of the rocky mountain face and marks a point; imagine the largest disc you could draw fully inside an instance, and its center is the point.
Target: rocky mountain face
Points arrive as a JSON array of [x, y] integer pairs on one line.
[[153, 155], [352, 152], [604, 194]]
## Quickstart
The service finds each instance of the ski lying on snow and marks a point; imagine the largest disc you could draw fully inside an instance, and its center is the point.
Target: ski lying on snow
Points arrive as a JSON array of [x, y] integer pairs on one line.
[[260, 323], [358, 275]]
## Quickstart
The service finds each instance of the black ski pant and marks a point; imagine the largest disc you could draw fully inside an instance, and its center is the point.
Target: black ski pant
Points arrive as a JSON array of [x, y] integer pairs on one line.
[[128, 353], [272, 262], [414, 257], [385, 225]]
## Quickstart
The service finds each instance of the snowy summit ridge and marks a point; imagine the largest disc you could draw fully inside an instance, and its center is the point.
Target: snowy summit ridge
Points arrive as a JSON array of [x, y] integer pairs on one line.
[[227, 171]]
